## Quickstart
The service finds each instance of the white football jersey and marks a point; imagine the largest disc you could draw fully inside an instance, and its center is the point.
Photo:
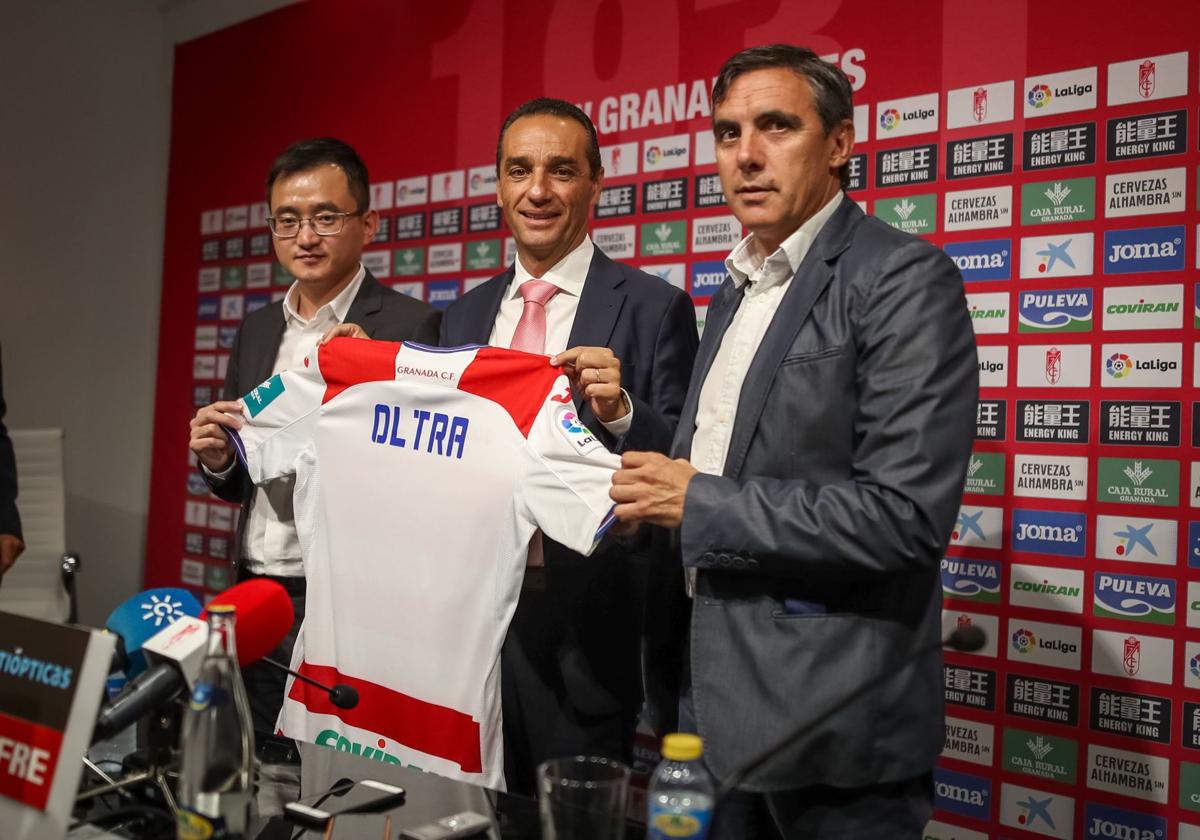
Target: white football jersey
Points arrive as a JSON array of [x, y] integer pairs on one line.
[[421, 475]]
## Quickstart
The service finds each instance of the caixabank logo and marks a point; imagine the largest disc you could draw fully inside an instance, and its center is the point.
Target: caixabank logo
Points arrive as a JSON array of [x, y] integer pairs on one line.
[[1136, 540], [1104, 822], [1134, 597], [1065, 255], [978, 527], [962, 793], [1054, 532], [1142, 250], [1037, 642], [987, 259], [971, 580], [1055, 310], [1039, 811]]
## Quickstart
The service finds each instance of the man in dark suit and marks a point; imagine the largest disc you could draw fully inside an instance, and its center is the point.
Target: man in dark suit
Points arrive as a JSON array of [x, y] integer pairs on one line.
[[570, 663], [12, 542], [319, 194], [821, 455]]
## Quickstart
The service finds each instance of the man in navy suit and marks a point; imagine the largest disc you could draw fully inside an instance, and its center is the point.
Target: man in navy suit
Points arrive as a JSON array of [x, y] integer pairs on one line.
[[820, 460], [627, 340]]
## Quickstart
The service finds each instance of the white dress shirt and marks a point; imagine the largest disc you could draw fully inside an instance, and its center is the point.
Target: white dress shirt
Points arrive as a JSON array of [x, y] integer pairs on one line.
[[569, 275], [766, 282], [271, 545]]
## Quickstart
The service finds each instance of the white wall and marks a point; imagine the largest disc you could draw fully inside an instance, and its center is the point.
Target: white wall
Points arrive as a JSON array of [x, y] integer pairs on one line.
[[85, 105]]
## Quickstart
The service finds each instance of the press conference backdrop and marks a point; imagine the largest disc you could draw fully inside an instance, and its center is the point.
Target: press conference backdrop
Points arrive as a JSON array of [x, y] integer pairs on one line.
[[1051, 149]]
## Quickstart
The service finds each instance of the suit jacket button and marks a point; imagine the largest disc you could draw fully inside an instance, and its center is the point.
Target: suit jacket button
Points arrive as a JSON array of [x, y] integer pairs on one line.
[[708, 557]]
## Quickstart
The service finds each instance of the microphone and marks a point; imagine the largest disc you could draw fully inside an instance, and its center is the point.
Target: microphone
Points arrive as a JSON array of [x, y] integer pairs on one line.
[[966, 639], [141, 616], [264, 616], [341, 695]]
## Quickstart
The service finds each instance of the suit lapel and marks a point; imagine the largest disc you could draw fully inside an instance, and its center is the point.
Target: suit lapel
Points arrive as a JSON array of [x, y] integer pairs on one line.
[[364, 309], [599, 304], [810, 280], [720, 314], [265, 350]]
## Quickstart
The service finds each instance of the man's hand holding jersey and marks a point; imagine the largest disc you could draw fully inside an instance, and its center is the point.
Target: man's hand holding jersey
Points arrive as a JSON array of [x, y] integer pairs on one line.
[[209, 441]]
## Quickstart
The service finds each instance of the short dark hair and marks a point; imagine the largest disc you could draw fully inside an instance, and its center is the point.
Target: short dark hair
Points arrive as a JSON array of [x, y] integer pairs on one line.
[[309, 154], [833, 97], [554, 108]]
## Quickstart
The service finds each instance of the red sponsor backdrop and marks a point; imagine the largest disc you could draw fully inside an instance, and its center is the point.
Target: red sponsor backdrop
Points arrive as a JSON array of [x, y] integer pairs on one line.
[[421, 91]]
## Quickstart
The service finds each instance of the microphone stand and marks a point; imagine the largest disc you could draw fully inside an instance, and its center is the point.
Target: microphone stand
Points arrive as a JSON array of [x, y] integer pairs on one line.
[[161, 737]]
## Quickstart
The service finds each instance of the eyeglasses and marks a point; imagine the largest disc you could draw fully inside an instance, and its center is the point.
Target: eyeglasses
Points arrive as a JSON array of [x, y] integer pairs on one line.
[[325, 223]]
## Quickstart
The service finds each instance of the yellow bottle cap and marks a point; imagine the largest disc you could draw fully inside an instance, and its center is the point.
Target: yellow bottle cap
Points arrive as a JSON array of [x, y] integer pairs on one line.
[[680, 747]]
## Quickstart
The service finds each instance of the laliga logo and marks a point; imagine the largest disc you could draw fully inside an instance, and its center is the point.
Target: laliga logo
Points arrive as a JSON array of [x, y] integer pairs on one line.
[[1118, 365], [653, 154], [889, 119], [1039, 96], [1023, 641], [571, 423], [402, 193]]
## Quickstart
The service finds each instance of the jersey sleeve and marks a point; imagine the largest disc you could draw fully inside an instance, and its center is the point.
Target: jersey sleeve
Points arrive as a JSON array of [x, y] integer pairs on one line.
[[570, 472], [278, 417]]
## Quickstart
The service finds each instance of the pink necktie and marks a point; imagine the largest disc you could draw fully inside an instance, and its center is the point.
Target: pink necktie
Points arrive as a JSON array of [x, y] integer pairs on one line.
[[530, 334]]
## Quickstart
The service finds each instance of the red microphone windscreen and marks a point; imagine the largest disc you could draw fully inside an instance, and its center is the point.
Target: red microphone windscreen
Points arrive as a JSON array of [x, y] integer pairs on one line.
[[264, 616]]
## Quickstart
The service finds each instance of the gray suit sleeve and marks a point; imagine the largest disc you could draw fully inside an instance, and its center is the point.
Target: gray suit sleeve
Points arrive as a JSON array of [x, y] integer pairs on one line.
[[917, 385]]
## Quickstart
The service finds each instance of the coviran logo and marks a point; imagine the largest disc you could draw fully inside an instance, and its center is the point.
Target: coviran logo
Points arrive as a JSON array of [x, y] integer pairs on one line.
[[331, 738]]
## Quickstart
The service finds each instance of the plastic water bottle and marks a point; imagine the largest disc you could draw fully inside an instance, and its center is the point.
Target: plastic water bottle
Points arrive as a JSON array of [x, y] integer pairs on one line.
[[217, 742], [681, 791]]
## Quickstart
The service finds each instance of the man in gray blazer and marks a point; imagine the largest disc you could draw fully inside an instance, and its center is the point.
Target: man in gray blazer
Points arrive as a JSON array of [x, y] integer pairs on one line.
[[820, 458]]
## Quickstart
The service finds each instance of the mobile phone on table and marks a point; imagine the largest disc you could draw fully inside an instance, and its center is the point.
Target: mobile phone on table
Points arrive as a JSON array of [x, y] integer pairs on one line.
[[466, 824]]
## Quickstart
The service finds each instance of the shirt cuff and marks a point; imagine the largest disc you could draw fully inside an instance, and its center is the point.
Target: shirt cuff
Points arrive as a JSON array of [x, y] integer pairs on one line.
[[620, 426], [223, 474]]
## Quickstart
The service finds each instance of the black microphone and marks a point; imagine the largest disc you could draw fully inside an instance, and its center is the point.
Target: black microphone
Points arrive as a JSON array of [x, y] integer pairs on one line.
[[148, 691], [966, 639], [341, 695]]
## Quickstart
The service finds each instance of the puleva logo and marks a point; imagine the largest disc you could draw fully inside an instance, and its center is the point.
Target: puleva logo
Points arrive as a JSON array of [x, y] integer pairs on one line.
[[1039, 96], [1141, 250], [262, 396], [889, 119], [984, 260], [1058, 310], [1049, 532], [1135, 598], [971, 580]]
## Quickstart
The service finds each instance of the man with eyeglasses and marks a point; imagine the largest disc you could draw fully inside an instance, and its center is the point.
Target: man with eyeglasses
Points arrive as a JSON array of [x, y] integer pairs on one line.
[[321, 219]]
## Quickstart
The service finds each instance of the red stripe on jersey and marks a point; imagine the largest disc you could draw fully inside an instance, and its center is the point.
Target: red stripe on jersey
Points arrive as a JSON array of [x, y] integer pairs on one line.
[[349, 361], [434, 730], [514, 380]]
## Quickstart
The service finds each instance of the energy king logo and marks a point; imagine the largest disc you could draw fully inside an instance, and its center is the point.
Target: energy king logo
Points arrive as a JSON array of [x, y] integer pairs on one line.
[[971, 580], [1141, 250], [1055, 310], [1049, 532], [984, 260], [1052, 202], [1138, 481], [262, 396], [1134, 597], [915, 214]]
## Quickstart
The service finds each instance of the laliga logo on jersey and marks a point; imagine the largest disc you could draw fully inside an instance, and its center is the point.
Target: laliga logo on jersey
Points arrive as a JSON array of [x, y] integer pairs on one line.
[[889, 119], [1039, 96], [1146, 79], [579, 436], [979, 104]]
